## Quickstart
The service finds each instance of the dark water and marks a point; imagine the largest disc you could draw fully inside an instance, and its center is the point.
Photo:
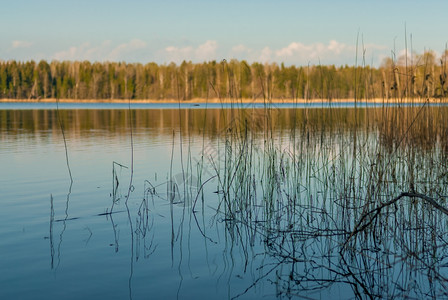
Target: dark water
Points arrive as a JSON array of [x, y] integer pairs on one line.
[[197, 223]]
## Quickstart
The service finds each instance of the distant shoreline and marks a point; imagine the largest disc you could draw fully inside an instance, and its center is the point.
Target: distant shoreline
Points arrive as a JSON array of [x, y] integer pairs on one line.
[[217, 100]]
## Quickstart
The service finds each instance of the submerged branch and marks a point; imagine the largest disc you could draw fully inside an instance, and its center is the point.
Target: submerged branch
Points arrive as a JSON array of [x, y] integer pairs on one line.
[[376, 211]]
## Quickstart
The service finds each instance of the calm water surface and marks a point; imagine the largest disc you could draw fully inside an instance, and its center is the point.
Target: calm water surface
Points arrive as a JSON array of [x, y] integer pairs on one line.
[[59, 241]]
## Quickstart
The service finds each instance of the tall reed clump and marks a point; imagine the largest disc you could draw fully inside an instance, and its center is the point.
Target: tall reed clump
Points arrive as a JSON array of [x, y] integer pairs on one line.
[[347, 193]]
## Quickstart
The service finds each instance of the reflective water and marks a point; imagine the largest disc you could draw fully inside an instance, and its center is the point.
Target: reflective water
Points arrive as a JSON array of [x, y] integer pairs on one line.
[[219, 207], [211, 105]]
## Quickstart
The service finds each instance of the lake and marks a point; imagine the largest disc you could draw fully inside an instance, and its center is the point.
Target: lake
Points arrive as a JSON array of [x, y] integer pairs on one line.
[[238, 202]]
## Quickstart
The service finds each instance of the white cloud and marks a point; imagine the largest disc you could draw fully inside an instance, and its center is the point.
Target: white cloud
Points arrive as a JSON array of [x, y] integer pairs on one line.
[[266, 54], [21, 44], [101, 52], [336, 47], [203, 52], [85, 51], [292, 49], [298, 53], [121, 50], [207, 51], [73, 53], [177, 55], [238, 49]]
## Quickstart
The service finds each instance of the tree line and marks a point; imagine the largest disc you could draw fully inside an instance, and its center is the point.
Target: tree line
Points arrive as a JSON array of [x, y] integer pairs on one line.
[[421, 76]]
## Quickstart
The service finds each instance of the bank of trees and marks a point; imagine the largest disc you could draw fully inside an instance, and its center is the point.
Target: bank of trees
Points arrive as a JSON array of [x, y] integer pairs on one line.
[[418, 76]]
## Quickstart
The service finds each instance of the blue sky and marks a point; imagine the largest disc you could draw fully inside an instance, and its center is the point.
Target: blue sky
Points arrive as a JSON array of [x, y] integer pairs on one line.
[[294, 32]]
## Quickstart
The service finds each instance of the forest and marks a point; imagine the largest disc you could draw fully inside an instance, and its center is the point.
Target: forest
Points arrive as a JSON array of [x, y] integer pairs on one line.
[[417, 76]]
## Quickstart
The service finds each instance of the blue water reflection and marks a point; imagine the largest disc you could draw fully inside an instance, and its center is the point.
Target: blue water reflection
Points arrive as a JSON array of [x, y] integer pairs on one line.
[[230, 212]]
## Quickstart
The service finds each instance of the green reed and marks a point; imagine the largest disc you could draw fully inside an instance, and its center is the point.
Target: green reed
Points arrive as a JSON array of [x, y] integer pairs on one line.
[[345, 193], [334, 168]]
